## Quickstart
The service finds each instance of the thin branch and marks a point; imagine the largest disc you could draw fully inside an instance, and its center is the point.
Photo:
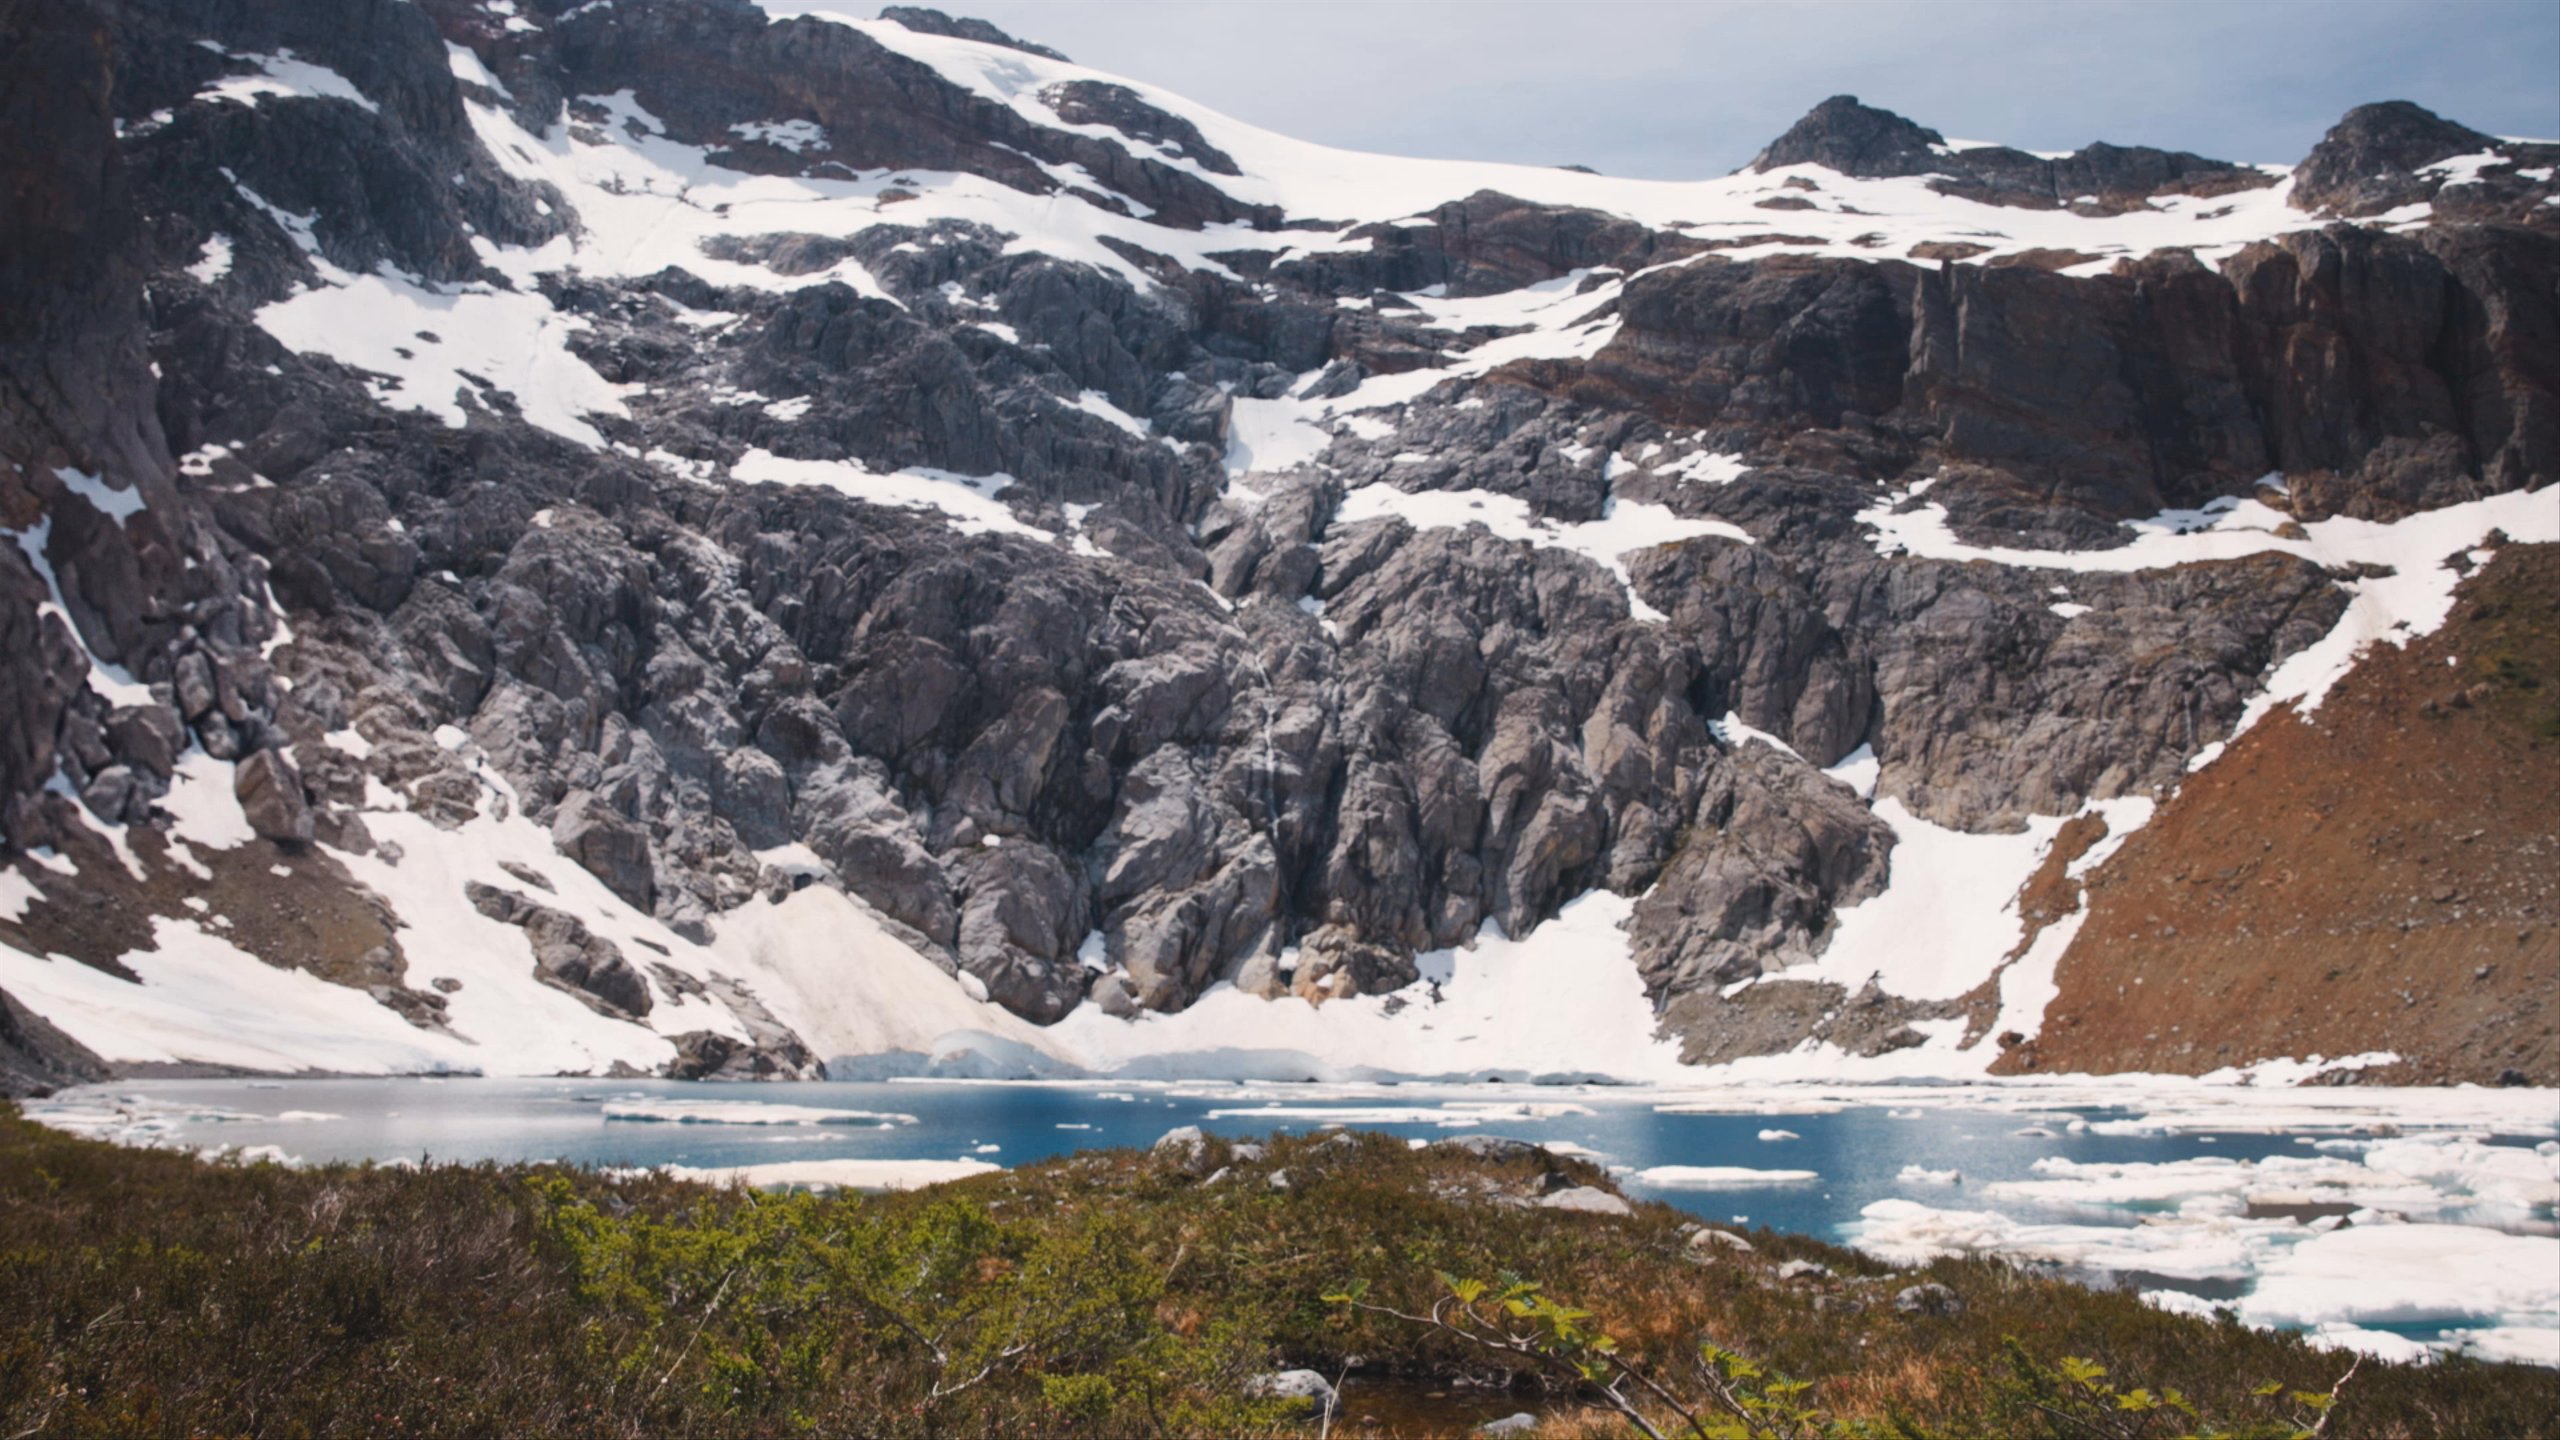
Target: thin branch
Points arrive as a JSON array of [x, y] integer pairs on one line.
[[1665, 1396], [698, 1326], [1515, 1345], [1331, 1399], [2330, 1413]]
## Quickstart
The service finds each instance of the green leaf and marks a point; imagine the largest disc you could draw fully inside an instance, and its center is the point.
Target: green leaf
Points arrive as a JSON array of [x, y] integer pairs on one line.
[[2082, 1372]]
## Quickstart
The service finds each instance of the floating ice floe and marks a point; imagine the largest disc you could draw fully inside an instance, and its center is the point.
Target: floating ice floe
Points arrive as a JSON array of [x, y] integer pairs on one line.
[[745, 1112], [1717, 1177]]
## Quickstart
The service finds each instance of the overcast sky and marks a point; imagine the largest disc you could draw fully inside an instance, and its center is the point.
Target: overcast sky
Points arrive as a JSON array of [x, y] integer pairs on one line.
[[1685, 88]]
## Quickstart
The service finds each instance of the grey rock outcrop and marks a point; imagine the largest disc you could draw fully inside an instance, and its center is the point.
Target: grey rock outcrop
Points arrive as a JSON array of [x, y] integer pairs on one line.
[[567, 953], [606, 845], [36, 1057]]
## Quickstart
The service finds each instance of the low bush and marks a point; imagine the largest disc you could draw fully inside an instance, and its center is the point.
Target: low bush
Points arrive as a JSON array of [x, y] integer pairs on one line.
[[1108, 1293]]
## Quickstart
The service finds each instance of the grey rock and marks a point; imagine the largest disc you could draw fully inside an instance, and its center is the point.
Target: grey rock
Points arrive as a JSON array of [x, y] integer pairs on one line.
[[37, 1058], [1803, 1270], [1929, 1298], [1586, 1200], [606, 845], [1185, 1148], [1304, 1385], [270, 794], [528, 875], [1498, 1148], [708, 1055], [147, 737], [566, 953], [1520, 1423]]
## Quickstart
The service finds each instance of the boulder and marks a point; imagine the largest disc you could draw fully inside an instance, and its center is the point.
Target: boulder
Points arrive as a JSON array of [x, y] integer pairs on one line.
[[1587, 1200], [1494, 1147], [1186, 1149], [1304, 1385], [607, 846], [270, 794]]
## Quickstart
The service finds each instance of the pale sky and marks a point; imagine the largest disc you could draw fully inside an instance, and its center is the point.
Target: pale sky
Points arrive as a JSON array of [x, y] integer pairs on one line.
[[1676, 89]]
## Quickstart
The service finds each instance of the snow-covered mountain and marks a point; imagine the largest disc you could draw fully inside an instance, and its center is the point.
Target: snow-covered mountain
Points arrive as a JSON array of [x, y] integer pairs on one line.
[[647, 536]]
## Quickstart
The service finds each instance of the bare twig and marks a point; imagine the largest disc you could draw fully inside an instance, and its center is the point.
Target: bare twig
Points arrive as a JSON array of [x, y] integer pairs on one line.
[[1687, 1416], [2331, 1412], [1503, 1342], [698, 1327], [1333, 1398]]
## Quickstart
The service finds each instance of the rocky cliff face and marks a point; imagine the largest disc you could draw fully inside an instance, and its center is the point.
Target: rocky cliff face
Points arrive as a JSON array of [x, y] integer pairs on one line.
[[507, 497]]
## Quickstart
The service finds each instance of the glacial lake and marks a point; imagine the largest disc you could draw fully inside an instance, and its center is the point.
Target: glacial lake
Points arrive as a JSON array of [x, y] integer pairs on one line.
[[2380, 1220]]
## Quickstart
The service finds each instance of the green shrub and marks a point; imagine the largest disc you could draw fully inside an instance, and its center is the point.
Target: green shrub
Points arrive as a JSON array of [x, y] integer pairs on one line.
[[1103, 1294]]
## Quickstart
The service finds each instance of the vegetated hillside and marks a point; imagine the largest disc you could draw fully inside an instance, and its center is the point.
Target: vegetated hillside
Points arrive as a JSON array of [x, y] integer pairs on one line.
[[1112, 1293], [650, 538], [2381, 875]]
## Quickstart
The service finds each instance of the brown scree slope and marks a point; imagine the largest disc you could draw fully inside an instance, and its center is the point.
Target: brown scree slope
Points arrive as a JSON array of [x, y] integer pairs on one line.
[[2382, 876]]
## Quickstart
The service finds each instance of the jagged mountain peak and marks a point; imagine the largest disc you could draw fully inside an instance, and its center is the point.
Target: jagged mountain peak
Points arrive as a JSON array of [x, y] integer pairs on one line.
[[2404, 133], [1845, 134], [2395, 153]]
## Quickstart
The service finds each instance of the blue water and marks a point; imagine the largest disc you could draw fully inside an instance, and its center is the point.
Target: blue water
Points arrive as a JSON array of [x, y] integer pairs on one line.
[[1858, 1152]]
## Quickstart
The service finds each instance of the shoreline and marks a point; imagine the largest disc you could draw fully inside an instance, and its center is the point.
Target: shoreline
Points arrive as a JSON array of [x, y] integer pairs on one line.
[[2194, 1193]]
